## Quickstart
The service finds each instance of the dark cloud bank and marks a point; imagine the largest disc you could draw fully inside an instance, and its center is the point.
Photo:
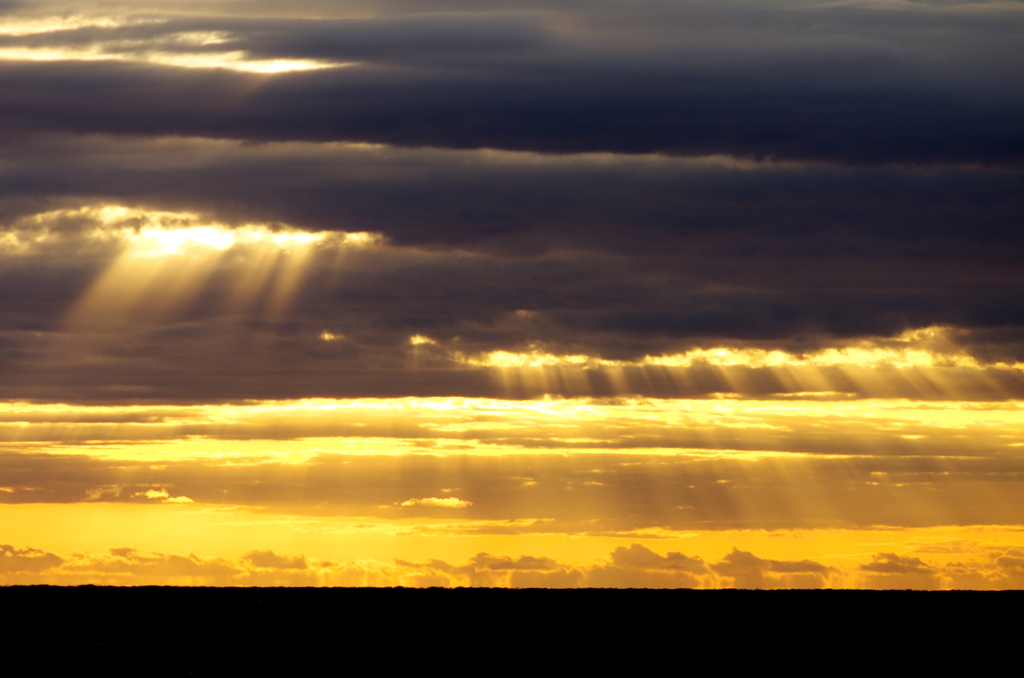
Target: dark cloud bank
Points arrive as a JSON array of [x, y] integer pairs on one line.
[[867, 181], [847, 84]]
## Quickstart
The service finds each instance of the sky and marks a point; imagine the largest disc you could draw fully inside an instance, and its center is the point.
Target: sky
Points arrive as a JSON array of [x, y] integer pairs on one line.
[[589, 293]]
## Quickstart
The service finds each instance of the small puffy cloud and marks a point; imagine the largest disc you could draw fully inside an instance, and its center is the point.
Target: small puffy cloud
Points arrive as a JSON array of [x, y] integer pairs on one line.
[[751, 572], [163, 495], [640, 567], [1004, 571], [890, 563], [132, 566], [103, 493], [1012, 562], [893, 571], [438, 565], [440, 502], [26, 560], [489, 562], [641, 556], [483, 569], [272, 561]]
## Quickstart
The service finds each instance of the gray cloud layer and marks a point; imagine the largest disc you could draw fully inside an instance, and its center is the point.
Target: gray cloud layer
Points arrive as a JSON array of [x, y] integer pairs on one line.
[[894, 201], [612, 257], [848, 84]]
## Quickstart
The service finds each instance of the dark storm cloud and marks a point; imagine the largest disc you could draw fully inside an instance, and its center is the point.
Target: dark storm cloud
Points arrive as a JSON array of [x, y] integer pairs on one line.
[[523, 203], [236, 364], [509, 203], [598, 254], [541, 109], [844, 84], [617, 306], [616, 257]]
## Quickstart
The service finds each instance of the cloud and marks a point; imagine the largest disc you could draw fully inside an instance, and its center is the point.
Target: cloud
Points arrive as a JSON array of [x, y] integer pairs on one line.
[[15, 560], [272, 561], [129, 564], [865, 86], [378, 294], [751, 572], [440, 502], [580, 466], [636, 567], [134, 567], [639, 567], [160, 494], [489, 562], [894, 571], [890, 563], [640, 556], [486, 570]]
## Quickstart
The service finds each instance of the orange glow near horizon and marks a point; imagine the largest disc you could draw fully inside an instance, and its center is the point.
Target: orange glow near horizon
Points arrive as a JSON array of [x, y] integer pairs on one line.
[[370, 552]]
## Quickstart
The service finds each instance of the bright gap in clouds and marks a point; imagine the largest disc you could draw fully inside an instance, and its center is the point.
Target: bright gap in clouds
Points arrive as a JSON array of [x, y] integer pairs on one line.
[[710, 428], [168, 258], [161, 265], [922, 347], [144, 51], [67, 22], [235, 60]]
